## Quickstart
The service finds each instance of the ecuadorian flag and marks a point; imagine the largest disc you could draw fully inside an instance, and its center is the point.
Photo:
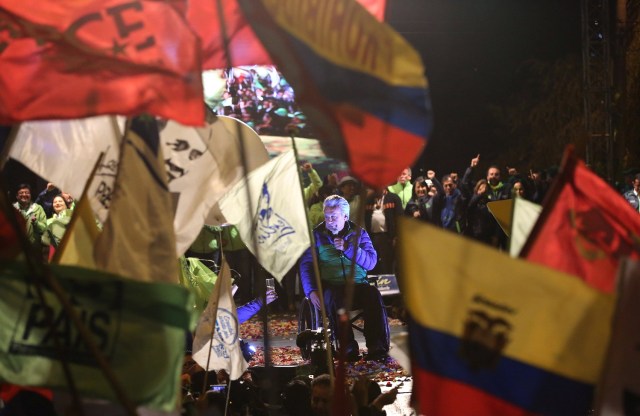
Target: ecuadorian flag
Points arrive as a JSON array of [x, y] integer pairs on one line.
[[492, 335], [361, 85]]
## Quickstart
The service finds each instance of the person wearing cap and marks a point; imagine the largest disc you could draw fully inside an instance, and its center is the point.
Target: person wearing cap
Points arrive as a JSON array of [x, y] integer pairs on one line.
[[335, 245], [403, 188], [633, 196], [348, 189]]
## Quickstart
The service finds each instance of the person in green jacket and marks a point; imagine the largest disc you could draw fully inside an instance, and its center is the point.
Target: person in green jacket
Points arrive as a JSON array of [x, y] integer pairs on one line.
[[57, 224], [34, 215], [403, 188]]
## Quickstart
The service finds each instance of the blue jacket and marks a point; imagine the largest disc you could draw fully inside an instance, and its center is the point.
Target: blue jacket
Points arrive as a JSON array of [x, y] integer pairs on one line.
[[246, 311], [335, 265]]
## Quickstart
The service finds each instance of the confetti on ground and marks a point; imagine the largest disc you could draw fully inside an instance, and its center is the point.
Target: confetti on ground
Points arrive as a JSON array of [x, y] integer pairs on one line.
[[284, 325], [388, 370]]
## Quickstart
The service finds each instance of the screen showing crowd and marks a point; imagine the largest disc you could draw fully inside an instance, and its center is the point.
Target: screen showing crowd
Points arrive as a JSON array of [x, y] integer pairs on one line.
[[257, 95]]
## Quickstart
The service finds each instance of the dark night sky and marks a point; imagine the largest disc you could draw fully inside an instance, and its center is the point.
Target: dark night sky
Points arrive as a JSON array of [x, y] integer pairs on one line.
[[471, 50]]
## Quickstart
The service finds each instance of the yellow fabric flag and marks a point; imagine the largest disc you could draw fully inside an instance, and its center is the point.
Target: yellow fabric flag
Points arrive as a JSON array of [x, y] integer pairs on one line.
[[138, 239], [76, 247], [551, 320], [501, 211]]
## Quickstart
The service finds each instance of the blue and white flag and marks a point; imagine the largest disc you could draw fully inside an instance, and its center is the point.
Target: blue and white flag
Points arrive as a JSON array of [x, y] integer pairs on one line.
[[219, 348], [275, 216]]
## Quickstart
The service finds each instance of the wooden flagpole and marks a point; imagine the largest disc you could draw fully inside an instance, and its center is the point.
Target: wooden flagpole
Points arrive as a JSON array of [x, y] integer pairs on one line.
[[316, 267]]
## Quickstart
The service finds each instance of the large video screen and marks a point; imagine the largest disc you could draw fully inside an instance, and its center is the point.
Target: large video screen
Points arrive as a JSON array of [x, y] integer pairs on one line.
[[257, 95]]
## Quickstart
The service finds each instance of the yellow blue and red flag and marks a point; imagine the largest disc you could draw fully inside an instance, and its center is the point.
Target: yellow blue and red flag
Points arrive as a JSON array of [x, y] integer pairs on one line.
[[493, 335], [361, 85]]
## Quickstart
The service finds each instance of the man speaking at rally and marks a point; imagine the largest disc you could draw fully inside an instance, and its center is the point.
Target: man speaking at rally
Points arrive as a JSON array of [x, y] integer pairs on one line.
[[335, 245]]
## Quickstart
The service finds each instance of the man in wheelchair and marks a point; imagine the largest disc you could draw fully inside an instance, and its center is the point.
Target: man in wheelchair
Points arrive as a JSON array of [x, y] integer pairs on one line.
[[334, 240]]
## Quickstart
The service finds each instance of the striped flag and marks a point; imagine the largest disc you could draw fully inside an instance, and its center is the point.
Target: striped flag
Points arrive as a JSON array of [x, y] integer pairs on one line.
[[493, 335], [361, 85]]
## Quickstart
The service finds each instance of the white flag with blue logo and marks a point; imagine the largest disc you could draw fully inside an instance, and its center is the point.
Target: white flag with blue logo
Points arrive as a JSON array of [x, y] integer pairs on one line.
[[276, 220], [220, 350]]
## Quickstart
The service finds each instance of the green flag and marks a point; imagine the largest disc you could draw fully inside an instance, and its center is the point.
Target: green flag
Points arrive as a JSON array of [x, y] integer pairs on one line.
[[140, 328]]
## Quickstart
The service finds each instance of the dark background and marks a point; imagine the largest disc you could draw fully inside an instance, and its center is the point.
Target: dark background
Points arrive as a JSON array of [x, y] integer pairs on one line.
[[472, 50]]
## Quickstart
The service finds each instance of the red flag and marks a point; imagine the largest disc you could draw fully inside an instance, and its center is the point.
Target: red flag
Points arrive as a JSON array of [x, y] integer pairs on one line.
[[585, 227], [72, 59], [244, 46]]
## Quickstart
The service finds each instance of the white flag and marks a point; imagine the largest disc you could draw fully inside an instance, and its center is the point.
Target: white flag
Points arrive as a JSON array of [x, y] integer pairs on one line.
[[620, 385], [525, 215], [255, 155], [277, 220], [201, 163], [64, 153], [222, 351]]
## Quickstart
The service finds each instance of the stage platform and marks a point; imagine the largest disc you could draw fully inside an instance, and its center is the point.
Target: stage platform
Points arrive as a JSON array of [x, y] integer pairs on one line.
[[283, 330]]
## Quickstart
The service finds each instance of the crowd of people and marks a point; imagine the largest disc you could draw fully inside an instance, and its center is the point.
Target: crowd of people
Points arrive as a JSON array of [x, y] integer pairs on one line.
[[261, 98], [304, 395], [339, 208]]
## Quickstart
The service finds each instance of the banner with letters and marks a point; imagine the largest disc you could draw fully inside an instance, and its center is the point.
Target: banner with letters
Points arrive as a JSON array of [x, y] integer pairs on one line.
[[139, 327]]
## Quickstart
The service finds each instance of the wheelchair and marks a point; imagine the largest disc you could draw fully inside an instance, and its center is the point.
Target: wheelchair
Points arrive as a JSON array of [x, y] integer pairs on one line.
[[310, 318]]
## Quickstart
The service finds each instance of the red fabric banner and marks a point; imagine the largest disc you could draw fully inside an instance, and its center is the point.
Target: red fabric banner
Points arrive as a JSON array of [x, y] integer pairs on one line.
[[72, 59], [585, 227]]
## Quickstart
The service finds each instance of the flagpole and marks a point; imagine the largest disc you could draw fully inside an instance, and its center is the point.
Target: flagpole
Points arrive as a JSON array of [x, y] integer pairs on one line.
[[46, 275], [217, 289], [567, 167], [316, 266], [343, 316], [259, 270]]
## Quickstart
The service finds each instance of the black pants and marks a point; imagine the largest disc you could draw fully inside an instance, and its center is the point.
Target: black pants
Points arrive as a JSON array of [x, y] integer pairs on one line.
[[383, 243], [376, 326]]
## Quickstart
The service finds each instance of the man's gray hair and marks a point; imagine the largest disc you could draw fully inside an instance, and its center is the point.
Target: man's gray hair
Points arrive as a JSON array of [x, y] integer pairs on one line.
[[333, 201]]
